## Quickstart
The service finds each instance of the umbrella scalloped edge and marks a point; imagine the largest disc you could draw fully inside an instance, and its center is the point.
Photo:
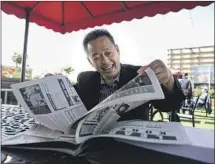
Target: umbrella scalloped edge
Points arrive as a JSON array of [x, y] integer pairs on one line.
[[61, 29]]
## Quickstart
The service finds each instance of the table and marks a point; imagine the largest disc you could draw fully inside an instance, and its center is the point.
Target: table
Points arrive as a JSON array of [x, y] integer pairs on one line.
[[107, 150], [202, 148]]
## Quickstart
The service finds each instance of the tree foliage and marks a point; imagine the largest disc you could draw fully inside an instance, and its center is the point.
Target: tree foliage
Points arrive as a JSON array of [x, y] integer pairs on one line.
[[17, 59], [68, 70], [36, 77]]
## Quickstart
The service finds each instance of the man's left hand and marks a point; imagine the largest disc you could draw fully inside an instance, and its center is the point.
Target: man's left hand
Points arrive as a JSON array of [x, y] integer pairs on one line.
[[163, 74]]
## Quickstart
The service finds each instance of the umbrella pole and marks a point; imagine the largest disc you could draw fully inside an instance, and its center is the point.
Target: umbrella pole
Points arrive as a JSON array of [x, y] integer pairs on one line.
[[25, 45]]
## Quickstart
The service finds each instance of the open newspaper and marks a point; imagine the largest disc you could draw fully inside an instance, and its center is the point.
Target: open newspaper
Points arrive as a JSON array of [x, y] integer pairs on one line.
[[65, 124]]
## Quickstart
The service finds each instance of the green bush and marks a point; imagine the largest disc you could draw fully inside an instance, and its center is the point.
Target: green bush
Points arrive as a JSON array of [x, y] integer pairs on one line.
[[197, 92], [211, 92]]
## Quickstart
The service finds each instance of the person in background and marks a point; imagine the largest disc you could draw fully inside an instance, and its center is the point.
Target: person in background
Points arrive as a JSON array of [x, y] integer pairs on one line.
[[179, 77], [202, 97], [186, 86], [204, 101]]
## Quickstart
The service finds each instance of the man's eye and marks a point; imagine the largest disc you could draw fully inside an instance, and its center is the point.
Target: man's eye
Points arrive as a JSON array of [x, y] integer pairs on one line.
[[96, 58], [108, 53]]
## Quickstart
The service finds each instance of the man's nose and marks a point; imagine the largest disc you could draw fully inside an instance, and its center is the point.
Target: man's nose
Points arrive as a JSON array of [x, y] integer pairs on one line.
[[105, 59]]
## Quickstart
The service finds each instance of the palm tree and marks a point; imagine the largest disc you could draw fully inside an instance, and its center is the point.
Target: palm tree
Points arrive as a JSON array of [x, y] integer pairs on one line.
[[17, 58]]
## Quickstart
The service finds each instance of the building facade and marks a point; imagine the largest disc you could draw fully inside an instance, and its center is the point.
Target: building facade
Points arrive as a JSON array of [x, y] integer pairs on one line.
[[187, 60]]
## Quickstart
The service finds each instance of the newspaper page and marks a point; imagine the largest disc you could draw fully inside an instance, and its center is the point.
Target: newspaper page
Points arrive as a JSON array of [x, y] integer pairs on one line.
[[101, 118], [150, 131], [40, 137], [52, 101], [201, 147], [38, 134], [172, 133]]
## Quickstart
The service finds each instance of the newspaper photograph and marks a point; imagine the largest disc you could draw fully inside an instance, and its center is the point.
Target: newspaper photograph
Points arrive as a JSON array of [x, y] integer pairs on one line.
[[153, 132], [171, 133], [52, 101], [101, 118]]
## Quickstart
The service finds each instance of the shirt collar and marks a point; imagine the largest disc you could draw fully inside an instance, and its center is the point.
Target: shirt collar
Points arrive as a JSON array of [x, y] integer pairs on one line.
[[110, 83]]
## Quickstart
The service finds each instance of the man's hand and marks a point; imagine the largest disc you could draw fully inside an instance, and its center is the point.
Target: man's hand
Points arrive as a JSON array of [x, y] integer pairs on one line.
[[163, 74]]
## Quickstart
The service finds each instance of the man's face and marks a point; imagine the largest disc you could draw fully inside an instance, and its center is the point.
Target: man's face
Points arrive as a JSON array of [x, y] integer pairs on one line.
[[104, 57]]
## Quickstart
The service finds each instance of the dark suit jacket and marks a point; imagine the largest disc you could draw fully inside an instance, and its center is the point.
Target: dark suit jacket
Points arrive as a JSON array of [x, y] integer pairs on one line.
[[89, 83]]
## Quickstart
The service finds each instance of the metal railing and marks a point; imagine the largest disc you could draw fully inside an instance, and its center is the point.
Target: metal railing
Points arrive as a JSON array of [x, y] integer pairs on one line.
[[7, 97]]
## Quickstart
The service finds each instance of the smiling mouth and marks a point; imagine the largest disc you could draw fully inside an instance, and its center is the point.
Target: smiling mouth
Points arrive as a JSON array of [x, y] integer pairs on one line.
[[108, 69]]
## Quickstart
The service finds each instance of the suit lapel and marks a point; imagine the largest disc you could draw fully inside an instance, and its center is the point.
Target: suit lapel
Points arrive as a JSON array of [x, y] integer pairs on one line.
[[124, 75]]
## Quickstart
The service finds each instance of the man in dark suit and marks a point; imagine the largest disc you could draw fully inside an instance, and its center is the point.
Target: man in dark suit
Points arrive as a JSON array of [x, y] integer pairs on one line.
[[104, 55], [94, 86]]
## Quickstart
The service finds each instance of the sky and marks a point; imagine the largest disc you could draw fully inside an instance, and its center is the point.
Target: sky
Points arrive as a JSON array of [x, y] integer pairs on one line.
[[140, 41]]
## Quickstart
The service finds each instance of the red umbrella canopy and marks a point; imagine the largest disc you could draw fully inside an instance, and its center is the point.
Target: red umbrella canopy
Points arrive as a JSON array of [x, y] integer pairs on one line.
[[71, 16]]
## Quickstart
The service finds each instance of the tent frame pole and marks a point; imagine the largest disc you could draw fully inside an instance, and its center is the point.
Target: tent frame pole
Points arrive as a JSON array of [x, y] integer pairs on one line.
[[27, 12]]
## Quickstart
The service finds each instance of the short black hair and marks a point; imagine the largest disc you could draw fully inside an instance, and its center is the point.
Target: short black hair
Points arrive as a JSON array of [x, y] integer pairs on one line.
[[96, 34], [186, 74]]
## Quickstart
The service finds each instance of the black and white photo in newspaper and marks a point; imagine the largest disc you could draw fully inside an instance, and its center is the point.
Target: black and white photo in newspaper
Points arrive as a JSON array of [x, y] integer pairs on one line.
[[35, 99], [102, 119], [51, 101], [141, 89], [150, 131]]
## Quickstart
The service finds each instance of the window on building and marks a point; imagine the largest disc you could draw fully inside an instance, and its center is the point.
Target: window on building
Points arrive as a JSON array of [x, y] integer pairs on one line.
[[207, 49]]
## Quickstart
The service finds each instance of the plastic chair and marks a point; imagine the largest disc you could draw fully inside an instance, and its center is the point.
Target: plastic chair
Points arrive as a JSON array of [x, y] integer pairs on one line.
[[205, 105], [191, 108], [154, 113]]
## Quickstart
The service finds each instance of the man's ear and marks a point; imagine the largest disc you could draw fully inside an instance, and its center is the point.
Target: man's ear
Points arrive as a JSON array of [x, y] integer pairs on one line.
[[117, 49]]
